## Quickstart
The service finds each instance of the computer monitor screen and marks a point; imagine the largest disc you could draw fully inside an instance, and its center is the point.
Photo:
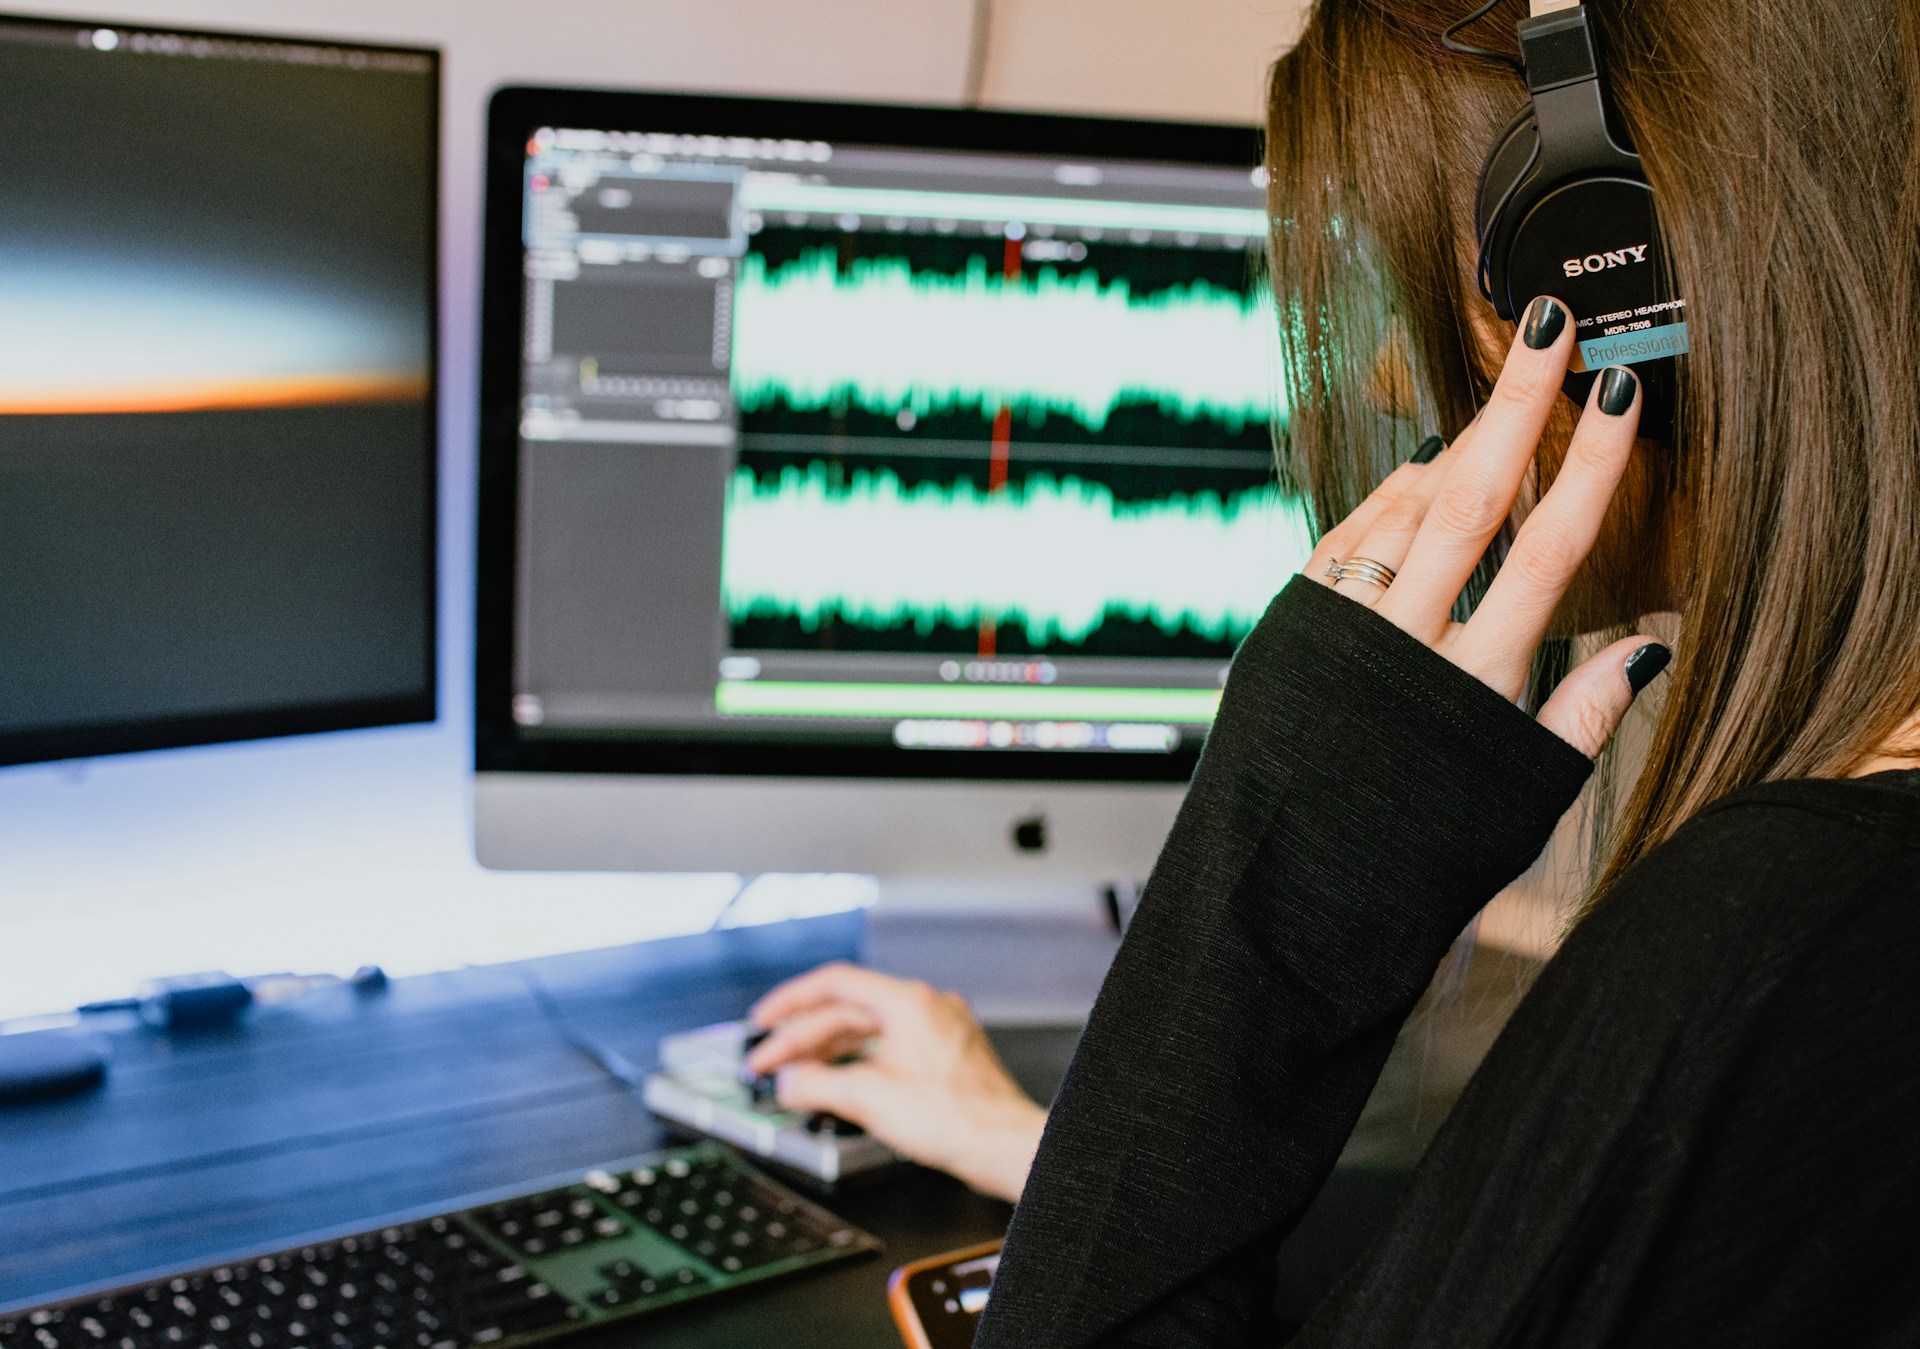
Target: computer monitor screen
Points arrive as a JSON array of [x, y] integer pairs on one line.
[[870, 442], [217, 425]]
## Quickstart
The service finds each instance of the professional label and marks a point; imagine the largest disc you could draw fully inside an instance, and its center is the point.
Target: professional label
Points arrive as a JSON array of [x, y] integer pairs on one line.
[[1651, 344], [1651, 332]]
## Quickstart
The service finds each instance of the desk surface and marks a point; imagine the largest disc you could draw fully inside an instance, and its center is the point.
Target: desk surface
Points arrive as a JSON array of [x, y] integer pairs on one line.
[[339, 1109]]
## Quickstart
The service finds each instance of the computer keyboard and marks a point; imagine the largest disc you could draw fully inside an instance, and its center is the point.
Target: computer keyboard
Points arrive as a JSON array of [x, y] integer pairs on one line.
[[619, 1242]]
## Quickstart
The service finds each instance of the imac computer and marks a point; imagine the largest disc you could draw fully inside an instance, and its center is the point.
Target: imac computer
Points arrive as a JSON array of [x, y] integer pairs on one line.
[[866, 489], [217, 420]]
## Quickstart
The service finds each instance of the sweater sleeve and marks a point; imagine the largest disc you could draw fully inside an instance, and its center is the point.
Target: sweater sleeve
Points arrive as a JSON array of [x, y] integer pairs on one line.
[[1359, 800]]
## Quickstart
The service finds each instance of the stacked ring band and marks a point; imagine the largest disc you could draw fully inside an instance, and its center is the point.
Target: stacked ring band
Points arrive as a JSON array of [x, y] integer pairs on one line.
[[1361, 569]]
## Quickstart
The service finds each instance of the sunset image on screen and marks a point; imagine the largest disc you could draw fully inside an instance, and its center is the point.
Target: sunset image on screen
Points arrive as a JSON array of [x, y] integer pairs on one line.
[[217, 434]]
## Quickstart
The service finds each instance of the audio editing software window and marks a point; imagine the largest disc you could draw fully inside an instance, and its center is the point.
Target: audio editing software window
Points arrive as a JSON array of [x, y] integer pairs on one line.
[[869, 445]]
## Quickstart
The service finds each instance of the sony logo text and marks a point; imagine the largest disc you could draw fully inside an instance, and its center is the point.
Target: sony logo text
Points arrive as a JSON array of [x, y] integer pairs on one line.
[[1601, 262]]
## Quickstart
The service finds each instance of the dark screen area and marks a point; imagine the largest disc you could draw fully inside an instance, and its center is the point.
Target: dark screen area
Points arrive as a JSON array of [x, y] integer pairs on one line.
[[597, 322], [217, 436], [689, 209]]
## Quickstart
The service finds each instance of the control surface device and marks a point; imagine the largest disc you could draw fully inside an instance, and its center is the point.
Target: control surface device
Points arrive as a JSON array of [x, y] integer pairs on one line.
[[704, 1085]]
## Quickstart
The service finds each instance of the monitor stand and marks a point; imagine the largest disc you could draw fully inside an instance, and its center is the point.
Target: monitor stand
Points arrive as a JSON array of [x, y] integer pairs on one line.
[[1023, 954]]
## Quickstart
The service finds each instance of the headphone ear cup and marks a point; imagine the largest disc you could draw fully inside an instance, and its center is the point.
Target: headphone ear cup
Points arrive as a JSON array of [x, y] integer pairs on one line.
[[1596, 244], [1507, 165]]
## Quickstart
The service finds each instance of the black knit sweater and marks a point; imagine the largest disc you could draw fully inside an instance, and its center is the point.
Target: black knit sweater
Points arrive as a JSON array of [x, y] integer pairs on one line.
[[1701, 1127]]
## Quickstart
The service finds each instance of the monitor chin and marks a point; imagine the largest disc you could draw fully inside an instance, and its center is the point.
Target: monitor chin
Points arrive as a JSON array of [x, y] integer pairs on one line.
[[991, 831]]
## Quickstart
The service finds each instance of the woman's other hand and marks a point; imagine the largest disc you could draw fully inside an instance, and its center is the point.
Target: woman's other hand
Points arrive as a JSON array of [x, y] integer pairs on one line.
[[923, 1078], [1432, 523]]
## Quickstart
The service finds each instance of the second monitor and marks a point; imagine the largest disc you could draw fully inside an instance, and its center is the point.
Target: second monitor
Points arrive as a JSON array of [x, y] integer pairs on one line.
[[864, 488]]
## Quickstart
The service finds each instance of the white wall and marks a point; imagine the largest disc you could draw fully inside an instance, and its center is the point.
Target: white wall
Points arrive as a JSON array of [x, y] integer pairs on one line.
[[1188, 59], [330, 851]]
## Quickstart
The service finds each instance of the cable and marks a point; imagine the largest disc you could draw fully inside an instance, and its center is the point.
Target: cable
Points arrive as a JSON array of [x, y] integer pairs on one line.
[[726, 910], [610, 1060], [614, 1063], [1449, 40], [973, 86]]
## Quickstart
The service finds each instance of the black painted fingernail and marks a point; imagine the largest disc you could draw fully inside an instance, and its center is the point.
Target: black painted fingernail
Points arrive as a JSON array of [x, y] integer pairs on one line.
[[1617, 388], [1546, 320], [1428, 452], [1645, 665]]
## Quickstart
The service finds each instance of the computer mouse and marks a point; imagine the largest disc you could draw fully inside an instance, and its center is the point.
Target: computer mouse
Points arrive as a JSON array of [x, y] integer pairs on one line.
[[47, 1064]]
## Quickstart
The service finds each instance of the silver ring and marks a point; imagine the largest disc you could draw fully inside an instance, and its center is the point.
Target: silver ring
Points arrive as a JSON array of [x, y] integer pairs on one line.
[[1361, 569]]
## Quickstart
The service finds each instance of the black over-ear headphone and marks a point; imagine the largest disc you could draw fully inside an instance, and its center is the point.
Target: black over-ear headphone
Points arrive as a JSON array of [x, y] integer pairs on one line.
[[1564, 209]]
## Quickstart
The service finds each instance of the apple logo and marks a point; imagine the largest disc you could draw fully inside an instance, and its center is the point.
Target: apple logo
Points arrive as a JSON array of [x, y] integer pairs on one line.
[[1030, 834]]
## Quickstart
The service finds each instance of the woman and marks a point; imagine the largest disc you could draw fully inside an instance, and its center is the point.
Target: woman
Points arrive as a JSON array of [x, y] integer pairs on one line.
[[1697, 1127]]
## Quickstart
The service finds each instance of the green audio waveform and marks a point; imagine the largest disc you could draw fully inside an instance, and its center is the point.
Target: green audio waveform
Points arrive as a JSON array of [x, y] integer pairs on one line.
[[1056, 557], [882, 338]]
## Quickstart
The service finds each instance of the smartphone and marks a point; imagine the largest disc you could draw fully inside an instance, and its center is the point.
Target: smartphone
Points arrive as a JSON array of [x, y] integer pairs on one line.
[[937, 1302]]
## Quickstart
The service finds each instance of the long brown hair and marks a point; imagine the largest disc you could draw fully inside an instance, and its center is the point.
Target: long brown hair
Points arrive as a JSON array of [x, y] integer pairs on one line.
[[1780, 138]]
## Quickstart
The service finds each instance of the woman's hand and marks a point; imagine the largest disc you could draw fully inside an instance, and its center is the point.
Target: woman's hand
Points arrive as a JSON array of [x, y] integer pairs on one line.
[[1431, 523], [926, 1082]]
